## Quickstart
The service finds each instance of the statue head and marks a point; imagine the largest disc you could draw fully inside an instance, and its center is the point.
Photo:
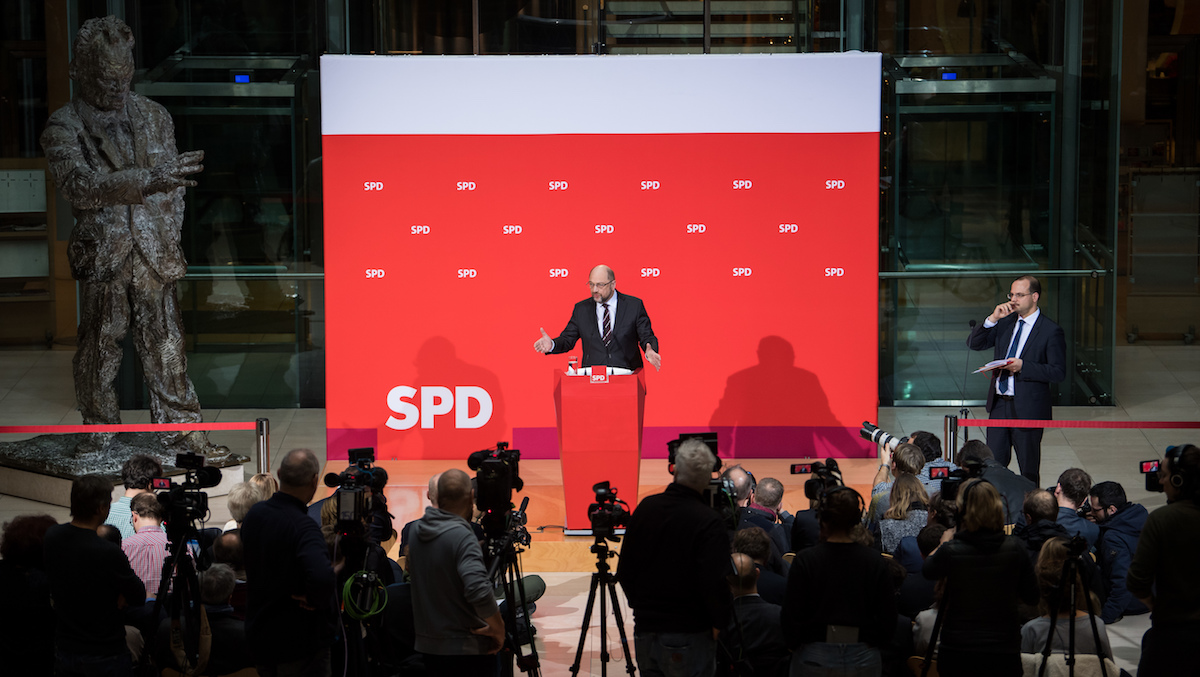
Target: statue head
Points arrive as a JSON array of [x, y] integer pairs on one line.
[[102, 62]]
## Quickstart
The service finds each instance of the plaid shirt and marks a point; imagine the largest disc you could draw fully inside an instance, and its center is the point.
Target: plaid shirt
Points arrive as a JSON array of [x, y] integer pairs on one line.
[[146, 551]]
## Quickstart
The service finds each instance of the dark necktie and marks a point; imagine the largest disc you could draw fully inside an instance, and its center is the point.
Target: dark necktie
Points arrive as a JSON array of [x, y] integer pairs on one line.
[[1002, 381], [607, 333]]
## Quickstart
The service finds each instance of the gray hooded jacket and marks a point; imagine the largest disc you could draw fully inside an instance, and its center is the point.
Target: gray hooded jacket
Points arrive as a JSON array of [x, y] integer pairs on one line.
[[450, 589]]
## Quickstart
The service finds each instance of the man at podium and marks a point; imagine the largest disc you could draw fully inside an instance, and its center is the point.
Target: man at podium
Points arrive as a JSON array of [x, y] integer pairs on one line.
[[614, 327]]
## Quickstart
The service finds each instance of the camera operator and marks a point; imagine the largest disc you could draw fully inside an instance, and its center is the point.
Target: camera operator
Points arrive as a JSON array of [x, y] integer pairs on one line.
[[90, 582], [805, 527], [673, 565], [1012, 487], [459, 627], [291, 614], [1163, 572], [841, 604]]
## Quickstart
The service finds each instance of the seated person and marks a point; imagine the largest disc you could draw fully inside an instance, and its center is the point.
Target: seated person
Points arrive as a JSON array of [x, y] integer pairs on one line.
[[907, 459], [754, 636], [1055, 596], [27, 629], [907, 513], [228, 650]]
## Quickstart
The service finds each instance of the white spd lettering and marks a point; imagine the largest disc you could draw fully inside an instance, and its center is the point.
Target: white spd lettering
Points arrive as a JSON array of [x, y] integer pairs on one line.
[[558, 185], [467, 273], [651, 272], [742, 272], [466, 185], [437, 401], [835, 272], [559, 272], [420, 230], [696, 228], [742, 184], [604, 229], [789, 228], [650, 185], [512, 229], [372, 186], [374, 273], [835, 184]]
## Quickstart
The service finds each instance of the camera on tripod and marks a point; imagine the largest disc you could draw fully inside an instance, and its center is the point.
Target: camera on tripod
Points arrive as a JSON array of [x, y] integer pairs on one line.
[[608, 512], [352, 495], [184, 504], [883, 438], [497, 476]]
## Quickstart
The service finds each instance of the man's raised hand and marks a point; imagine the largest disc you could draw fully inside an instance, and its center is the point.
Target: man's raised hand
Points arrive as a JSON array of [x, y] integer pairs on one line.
[[544, 344]]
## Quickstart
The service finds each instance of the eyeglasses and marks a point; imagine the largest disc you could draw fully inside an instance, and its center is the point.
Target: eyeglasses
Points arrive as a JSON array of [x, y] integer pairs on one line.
[[601, 285], [1018, 295]]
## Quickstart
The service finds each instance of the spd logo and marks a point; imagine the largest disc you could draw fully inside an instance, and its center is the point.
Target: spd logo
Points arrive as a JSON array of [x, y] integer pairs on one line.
[[437, 401]]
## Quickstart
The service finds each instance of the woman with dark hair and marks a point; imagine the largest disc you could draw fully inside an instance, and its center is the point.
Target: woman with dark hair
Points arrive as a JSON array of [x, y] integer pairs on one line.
[[1050, 562], [907, 512], [27, 627], [840, 605], [985, 574]]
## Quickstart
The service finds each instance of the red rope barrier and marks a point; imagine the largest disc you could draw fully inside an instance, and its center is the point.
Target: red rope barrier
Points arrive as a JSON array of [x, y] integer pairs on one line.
[[1028, 423], [127, 427]]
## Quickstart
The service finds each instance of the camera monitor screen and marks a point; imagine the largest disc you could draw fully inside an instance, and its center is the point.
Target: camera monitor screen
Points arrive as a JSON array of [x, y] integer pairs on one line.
[[467, 198]]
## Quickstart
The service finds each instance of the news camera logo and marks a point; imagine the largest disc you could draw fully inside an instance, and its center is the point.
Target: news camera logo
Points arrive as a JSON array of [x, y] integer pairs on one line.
[[426, 404]]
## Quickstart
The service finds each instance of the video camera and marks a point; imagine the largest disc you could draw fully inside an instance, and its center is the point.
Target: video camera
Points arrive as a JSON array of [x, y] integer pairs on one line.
[[497, 476], [184, 504], [1150, 468], [824, 476], [608, 512], [952, 481], [874, 433], [351, 497]]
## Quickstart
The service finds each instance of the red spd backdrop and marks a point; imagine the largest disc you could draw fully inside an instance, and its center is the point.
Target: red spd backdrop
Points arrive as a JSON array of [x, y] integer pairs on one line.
[[465, 204]]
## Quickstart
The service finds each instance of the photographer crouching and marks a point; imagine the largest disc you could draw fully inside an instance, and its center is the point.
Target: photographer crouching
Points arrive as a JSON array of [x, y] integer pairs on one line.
[[672, 566]]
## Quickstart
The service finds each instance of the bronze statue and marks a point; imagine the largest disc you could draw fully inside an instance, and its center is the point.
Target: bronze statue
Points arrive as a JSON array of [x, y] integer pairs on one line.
[[112, 154]]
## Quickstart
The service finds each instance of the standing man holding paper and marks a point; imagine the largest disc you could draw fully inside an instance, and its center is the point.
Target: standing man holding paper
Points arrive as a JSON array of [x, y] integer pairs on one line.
[[1034, 354], [614, 327]]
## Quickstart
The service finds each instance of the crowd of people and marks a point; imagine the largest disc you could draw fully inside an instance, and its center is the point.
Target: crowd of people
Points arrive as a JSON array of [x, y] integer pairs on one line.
[[978, 574], [982, 573]]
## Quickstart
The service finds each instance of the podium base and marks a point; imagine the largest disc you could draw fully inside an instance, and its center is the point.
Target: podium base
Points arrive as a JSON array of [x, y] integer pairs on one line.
[[588, 532]]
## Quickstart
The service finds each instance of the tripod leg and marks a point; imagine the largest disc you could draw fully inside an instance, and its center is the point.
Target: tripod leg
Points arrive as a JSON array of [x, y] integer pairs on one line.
[[587, 623], [611, 584]]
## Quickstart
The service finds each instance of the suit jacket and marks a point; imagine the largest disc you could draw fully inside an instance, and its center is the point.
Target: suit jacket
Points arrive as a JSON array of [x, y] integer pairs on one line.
[[631, 331], [1044, 361], [112, 215]]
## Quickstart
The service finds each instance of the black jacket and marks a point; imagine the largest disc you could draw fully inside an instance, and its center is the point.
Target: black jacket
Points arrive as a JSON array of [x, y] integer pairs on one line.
[[986, 574], [1118, 541], [673, 563]]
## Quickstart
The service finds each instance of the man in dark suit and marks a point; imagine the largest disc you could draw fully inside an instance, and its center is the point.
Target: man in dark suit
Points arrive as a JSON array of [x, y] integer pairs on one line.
[[1036, 354], [614, 327], [754, 636]]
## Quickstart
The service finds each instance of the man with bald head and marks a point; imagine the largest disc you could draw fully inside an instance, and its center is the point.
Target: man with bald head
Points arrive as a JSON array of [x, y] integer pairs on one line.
[[614, 327], [459, 628], [291, 612]]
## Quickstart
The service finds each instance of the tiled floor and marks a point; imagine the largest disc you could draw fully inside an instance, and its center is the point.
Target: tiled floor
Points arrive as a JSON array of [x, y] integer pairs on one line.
[[1154, 383]]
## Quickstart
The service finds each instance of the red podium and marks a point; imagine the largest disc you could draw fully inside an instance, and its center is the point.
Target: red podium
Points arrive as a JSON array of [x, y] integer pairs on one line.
[[599, 438]]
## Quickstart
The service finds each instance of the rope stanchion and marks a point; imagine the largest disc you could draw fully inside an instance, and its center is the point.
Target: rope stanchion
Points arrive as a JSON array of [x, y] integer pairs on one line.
[[1032, 423], [128, 427]]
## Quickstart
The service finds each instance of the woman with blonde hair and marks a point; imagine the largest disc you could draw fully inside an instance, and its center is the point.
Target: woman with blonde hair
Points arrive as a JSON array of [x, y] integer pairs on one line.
[[985, 574], [907, 513]]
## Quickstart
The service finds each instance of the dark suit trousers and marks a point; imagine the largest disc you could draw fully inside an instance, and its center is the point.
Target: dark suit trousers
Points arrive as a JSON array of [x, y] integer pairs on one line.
[[1027, 441]]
